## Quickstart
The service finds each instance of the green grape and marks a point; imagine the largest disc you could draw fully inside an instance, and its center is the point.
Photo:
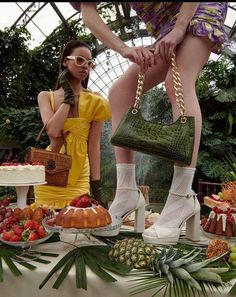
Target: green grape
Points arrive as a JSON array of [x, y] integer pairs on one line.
[[232, 256], [234, 263], [233, 249]]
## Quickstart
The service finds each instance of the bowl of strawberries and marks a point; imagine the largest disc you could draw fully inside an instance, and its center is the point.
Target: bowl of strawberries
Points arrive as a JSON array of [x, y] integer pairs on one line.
[[22, 227]]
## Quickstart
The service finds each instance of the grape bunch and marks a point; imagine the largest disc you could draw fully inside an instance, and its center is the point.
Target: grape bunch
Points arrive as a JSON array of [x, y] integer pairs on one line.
[[232, 255], [7, 217]]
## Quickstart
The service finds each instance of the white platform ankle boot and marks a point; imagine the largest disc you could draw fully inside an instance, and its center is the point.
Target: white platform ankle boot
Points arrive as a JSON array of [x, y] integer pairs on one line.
[[160, 233]]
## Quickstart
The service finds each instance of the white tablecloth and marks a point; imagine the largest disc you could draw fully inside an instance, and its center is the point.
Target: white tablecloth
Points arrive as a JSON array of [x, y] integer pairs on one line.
[[27, 285]]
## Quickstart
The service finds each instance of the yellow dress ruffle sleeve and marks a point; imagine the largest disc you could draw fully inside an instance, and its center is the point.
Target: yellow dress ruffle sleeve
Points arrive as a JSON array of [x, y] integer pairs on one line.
[[91, 107]]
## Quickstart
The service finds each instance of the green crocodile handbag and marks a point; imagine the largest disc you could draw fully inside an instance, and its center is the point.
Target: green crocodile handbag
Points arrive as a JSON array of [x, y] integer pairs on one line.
[[173, 141]]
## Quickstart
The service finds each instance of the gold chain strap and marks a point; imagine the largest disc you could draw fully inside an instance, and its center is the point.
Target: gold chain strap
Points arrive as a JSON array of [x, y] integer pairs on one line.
[[177, 87]]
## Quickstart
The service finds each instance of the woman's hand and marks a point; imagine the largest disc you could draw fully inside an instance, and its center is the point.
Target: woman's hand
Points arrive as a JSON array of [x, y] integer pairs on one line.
[[166, 46], [69, 97], [139, 55]]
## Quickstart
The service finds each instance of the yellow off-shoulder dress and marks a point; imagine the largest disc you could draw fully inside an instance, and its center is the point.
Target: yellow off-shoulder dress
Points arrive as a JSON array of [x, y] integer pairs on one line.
[[91, 107]]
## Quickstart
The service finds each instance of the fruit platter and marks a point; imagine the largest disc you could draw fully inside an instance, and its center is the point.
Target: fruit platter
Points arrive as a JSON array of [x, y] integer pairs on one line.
[[23, 227]]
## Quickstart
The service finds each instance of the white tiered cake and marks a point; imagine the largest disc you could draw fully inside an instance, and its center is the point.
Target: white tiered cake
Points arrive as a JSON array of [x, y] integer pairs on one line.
[[14, 173]]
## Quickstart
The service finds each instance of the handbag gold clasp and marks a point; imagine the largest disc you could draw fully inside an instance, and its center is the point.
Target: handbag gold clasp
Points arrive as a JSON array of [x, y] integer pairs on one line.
[[183, 119], [134, 111]]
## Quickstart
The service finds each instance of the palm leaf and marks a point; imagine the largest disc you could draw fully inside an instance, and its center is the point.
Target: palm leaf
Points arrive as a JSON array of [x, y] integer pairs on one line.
[[64, 272], [232, 291], [1, 271], [11, 266], [146, 281], [230, 162], [80, 272], [10, 254], [62, 262], [87, 255], [104, 261], [97, 269]]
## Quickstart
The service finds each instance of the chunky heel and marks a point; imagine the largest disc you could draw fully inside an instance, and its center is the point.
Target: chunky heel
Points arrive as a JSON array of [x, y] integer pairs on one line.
[[193, 227], [139, 223]]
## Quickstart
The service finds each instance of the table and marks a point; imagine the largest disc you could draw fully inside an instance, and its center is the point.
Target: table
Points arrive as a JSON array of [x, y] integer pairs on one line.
[[27, 284]]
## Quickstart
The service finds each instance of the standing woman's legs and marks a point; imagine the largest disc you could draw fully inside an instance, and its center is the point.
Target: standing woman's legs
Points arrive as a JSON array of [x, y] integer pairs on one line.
[[121, 97], [191, 55]]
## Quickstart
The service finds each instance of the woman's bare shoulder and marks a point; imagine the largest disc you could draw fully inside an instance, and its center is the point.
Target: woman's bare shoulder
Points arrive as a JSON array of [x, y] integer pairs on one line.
[[44, 94]]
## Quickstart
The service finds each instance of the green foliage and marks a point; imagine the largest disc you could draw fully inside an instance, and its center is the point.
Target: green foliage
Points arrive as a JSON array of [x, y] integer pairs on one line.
[[22, 129], [14, 68], [230, 162], [216, 92]]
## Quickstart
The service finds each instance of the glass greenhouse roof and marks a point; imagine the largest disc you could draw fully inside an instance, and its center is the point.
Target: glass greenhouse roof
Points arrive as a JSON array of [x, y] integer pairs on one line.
[[41, 18]]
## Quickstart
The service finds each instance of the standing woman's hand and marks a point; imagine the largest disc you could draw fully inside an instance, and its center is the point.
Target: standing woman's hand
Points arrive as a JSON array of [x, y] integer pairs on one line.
[[139, 55], [166, 46]]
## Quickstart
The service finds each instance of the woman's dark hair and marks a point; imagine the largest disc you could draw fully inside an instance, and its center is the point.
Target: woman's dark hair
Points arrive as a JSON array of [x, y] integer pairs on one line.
[[68, 49]]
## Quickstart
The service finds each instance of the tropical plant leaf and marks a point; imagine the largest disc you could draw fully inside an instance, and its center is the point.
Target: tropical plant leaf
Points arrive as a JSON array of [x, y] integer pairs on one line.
[[11, 266], [87, 255], [10, 254], [97, 269], [232, 291], [80, 272], [229, 275], [104, 261], [60, 264], [36, 259], [26, 264], [64, 272], [1, 271], [48, 254]]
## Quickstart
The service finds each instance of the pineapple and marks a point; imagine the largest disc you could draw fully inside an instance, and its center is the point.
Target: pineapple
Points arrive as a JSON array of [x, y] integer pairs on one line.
[[167, 262], [133, 252]]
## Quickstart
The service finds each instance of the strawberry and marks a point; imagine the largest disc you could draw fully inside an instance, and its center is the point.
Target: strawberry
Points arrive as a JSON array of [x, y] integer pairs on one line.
[[41, 232], [73, 202], [6, 235], [15, 238], [33, 236], [17, 230], [29, 224], [36, 225], [83, 202]]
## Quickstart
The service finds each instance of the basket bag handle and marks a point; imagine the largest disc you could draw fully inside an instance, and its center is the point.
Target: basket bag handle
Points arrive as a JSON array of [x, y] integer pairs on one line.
[[41, 132]]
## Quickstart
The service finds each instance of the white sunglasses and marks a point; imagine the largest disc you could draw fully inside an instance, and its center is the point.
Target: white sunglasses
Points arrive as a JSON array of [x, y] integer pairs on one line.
[[81, 61]]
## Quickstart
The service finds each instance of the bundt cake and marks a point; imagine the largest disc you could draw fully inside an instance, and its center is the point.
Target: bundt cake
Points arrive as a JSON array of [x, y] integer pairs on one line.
[[221, 222], [222, 218], [83, 212]]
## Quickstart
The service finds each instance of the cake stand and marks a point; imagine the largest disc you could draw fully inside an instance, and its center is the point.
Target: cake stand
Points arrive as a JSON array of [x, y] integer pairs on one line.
[[87, 232], [21, 191]]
